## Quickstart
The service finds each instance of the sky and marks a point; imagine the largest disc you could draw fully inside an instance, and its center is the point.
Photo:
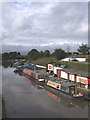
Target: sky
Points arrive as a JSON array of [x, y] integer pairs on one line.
[[44, 25]]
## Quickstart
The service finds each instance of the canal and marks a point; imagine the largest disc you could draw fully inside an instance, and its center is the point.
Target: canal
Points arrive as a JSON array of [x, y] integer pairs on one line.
[[26, 99]]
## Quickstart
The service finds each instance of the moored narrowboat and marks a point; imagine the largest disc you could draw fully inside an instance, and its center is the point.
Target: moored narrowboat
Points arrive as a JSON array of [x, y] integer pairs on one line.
[[64, 87], [33, 75]]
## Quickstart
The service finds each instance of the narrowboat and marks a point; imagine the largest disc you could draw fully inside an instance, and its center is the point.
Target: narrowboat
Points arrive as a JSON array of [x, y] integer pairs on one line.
[[20, 68], [17, 64], [64, 87], [33, 75]]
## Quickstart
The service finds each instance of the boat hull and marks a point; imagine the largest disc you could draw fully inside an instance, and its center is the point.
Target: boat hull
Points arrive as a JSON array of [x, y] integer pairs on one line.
[[60, 92]]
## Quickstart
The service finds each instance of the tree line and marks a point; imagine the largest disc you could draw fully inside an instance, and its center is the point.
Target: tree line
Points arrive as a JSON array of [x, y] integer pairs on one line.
[[58, 53], [10, 55], [35, 54]]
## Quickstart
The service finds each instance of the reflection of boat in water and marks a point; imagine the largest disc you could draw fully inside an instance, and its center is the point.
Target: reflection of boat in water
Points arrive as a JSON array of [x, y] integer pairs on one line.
[[65, 88], [18, 72], [36, 84], [66, 101], [53, 96]]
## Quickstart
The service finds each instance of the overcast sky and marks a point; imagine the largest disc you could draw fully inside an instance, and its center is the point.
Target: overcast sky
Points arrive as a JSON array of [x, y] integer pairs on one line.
[[44, 25]]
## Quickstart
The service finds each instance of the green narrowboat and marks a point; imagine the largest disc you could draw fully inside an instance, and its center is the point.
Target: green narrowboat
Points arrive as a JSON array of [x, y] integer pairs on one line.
[[64, 87], [33, 75]]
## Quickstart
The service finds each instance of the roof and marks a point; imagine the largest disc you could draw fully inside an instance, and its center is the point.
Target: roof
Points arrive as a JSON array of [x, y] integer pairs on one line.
[[23, 66], [32, 71], [65, 84], [78, 72]]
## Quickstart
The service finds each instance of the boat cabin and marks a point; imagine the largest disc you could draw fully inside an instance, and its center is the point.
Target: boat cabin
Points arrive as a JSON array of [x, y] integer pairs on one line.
[[33, 74], [63, 86]]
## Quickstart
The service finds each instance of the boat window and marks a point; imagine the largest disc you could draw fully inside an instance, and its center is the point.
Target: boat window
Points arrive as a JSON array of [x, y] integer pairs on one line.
[[53, 84], [63, 88]]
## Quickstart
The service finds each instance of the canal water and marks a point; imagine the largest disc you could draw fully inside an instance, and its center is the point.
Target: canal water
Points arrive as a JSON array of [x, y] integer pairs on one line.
[[26, 99]]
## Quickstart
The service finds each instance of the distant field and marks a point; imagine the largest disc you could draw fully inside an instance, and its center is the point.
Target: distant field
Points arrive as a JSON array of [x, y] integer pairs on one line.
[[73, 65], [78, 66], [44, 61]]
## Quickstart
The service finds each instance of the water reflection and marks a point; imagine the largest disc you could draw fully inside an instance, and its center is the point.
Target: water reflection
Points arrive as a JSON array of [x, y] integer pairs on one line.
[[6, 64], [20, 73], [36, 85], [56, 98], [32, 100], [68, 102]]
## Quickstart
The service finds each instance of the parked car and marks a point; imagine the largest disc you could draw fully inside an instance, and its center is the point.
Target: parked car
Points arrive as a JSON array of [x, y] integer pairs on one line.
[[73, 59]]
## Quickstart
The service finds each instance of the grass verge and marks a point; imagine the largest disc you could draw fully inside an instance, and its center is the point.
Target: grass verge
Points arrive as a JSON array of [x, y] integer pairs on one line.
[[44, 61], [4, 114], [77, 66], [73, 65]]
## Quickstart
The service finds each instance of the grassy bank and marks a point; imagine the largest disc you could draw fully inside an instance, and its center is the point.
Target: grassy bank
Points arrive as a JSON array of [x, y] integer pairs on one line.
[[0, 62], [73, 65], [44, 61], [0, 107], [77, 66], [4, 114]]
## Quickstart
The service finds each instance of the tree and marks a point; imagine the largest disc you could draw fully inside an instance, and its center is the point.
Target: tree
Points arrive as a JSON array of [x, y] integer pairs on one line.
[[59, 54], [12, 55], [19, 53], [9, 56], [5, 56], [41, 54], [46, 53], [33, 54], [84, 49]]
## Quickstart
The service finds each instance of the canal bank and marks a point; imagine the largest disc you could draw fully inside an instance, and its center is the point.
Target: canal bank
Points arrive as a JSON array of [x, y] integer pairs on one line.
[[0, 106], [4, 113]]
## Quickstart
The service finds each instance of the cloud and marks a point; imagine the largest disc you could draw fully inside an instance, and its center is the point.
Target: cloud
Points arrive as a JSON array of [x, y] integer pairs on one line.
[[21, 24], [44, 23]]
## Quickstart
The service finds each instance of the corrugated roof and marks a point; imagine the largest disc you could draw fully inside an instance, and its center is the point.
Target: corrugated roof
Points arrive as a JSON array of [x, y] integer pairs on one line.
[[32, 71], [78, 72]]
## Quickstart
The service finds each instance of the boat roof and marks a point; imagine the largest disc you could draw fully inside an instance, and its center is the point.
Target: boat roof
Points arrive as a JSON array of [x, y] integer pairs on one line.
[[65, 84], [23, 66], [32, 71]]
